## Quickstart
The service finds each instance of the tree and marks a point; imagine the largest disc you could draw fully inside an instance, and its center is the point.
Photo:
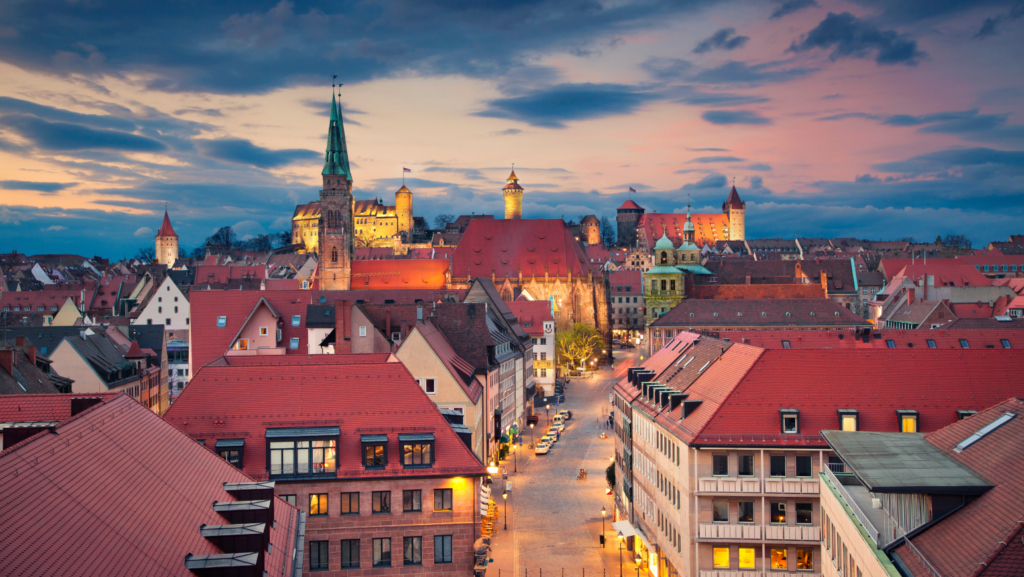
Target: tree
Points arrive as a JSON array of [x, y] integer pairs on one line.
[[146, 253], [261, 242], [609, 475], [224, 237], [362, 240], [198, 253], [609, 236], [576, 345], [442, 221], [955, 244], [284, 238]]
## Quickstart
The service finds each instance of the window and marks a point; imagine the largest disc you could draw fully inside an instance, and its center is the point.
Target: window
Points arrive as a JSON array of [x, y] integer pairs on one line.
[[778, 558], [412, 551], [350, 503], [263, 331], [746, 467], [790, 421], [543, 341], [442, 499], [785, 344], [293, 344], [442, 549], [804, 513], [804, 560], [318, 555], [721, 511], [848, 419], [290, 499], [907, 421], [746, 511], [318, 504], [961, 415], [417, 454], [720, 465], [931, 343], [222, 322], [296, 320], [778, 513], [411, 501], [964, 344], [890, 343], [721, 557], [803, 466], [382, 552], [428, 386], [1005, 343], [747, 557], [381, 502], [233, 456], [375, 453], [778, 465], [349, 553], [302, 457]]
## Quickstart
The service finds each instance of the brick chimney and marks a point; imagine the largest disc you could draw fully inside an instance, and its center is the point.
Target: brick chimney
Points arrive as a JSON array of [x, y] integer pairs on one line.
[[910, 296], [7, 356], [31, 352], [342, 327], [19, 342], [748, 279]]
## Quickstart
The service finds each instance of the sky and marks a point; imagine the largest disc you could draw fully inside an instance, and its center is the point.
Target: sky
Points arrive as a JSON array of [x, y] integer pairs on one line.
[[866, 118]]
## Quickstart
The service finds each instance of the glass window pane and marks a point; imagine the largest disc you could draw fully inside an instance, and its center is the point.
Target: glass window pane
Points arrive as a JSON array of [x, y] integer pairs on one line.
[[721, 557], [804, 513], [803, 466], [778, 558], [778, 463], [909, 424], [804, 560], [721, 511], [779, 513], [849, 423], [747, 557], [746, 511], [746, 465], [721, 464]]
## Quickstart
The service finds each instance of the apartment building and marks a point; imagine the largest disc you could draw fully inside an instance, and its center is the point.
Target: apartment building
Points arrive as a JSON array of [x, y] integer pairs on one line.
[[719, 445]]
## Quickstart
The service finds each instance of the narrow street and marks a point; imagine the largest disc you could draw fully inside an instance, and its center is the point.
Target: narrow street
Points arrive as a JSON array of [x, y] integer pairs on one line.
[[554, 520]]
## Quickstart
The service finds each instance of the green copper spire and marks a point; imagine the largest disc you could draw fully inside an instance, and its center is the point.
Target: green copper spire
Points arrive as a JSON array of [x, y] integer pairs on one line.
[[336, 159]]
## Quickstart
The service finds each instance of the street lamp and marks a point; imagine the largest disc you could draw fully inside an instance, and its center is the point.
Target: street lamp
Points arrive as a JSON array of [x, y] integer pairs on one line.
[[492, 469], [603, 513], [621, 545], [547, 410], [639, 560], [504, 497], [531, 434], [515, 459]]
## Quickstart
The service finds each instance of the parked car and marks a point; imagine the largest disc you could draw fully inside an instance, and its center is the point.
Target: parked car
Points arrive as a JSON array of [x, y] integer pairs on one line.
[[628, 345], [566, 414], [616, 343], [550, 438], [542, 448]]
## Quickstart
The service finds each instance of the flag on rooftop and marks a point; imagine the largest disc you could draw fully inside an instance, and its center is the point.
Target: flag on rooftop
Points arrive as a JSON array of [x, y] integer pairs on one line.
[[631, 189], [404, 169]]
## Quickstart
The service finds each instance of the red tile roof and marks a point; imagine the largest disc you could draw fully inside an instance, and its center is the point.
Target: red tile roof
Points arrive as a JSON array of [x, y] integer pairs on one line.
[[877, 339], [302, 360], [506, 247], [531, 315], [708, 228], [758, 291], [972, 310], [53, 407], [945, 274], [460, 369], [224, 273], [165, 227], [629, 204], [632, 278], [974, 540], [379, 399], [796, 313], [88, 474], [399, 274], [734, 200]]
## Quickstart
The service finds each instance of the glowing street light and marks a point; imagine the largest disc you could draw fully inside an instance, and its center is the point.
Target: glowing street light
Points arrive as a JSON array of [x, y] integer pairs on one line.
[[603, 513], [504, 497], [492, 469], [621, 545]]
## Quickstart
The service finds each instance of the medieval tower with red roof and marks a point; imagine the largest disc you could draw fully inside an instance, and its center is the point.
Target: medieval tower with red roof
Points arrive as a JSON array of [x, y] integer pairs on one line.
[[336, 207], [736, 210], [166, 243]]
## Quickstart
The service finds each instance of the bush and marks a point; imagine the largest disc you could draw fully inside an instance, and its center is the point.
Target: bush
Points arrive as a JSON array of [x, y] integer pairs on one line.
[[609, 475]]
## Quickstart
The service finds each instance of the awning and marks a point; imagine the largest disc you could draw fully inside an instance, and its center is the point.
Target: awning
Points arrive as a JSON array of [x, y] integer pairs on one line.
[[504, 438], [230, 443], [624, 527], [304, 432]]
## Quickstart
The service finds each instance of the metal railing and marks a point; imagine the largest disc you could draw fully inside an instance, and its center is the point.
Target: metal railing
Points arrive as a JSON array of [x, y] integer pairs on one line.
[[875, 535], [837, 467]]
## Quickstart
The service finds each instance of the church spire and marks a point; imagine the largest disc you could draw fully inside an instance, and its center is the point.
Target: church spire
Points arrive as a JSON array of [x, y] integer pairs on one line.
[[336, 159]]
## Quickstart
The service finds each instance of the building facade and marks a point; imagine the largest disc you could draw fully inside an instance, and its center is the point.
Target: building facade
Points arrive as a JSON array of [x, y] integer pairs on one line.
[[627, 304], [627, 218], [336, 209], [166, 243], [513, 194]]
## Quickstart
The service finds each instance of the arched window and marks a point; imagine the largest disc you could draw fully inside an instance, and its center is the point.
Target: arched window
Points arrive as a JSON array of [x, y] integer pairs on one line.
[[506, 294], [664, 257], [334, 254]]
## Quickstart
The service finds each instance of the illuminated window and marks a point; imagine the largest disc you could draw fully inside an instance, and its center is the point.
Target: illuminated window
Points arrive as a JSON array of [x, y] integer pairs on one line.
[[721, 557], [848, 419], [303, 457], [907, 421], [412, 500], [350, 503], [779, 514], [381, 502], [747, 557], [318, 504], [778, 558], [417, 450], [804, 560], [241, 345], [375, 453], [721, 511], [263, 331], [442, 499]]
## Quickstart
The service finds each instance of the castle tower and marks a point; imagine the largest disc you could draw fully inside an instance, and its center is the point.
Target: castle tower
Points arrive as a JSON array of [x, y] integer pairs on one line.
[[591, 229], [403, 209], [336, 205], [627, 219], [736, 209], [688, 252], [513, 198], [166, 243]]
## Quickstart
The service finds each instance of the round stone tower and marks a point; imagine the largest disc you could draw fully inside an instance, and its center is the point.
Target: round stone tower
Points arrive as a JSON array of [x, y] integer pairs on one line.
[[513, 197], [403, 209], [166, 243], [736, 209], [591, 229]]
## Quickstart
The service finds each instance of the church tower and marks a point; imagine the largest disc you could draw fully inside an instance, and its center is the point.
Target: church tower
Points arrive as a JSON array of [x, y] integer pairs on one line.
[[513, 198], [166, 243], [736, 209], [688, 252], [336, 206]]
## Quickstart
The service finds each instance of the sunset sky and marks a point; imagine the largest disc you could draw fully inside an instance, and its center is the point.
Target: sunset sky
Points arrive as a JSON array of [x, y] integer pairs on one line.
[[866, 119]]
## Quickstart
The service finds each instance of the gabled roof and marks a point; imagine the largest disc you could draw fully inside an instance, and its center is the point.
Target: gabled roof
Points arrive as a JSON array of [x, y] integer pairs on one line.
[[111, 447], [915, 339], [288, 360], [766, 312], [630, 205], [399, 274], [758, 291], [506, 247], [379, 399], [463, 324], [708, 228], [531, 315], [461, 370], [165, 228]]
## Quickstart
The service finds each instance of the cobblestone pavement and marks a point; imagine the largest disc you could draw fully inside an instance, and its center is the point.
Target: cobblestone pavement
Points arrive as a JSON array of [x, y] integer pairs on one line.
[[554, 520]]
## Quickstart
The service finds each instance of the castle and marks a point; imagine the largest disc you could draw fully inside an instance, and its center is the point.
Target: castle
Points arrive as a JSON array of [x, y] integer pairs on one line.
[[636, 226]]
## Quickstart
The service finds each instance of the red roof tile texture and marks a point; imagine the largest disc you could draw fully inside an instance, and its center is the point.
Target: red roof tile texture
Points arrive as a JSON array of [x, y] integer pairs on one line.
[[629, 204], [379, 399], [399, 274], [29, 408], [165, 227], [795, 313], [531, 315], [460, 369], [708, 228], [877, 339], [758, 291], [88, 474], [506, 247], [225, 273]]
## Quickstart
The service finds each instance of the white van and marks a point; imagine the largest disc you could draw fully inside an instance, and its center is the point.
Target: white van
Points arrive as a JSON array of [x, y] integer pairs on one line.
[[558, 421]]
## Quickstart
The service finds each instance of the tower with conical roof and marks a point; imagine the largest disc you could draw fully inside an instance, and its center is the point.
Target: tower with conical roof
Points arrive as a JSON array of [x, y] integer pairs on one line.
[[513, 197], [336, 206], [166, 243], [736, 210], [688, 252], [403, 210]]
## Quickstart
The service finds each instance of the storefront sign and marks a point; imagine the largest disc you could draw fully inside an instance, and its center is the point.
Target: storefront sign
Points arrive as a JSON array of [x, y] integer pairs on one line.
[[544, 365]]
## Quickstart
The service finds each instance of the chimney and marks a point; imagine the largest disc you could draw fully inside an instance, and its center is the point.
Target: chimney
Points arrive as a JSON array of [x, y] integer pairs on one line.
[[342, 318], [31, 352], [19, 342], [910, 296], [748, 279], [7, 359]]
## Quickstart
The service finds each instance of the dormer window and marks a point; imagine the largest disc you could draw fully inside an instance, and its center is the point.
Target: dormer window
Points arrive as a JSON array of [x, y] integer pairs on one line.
[[231, 450], [961, 415], [375, 451], [964, 344], [848, 419], [417, 450], [303, 451], [790, 421], [907, 420]]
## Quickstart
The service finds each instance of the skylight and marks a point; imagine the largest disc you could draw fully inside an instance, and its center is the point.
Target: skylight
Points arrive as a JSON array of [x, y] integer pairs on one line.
[[984, 431]]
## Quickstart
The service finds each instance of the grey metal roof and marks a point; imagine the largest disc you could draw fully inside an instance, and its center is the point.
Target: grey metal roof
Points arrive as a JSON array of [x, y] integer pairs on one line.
[[417, 437], [229, 443], [374, 439], [903, 463], [304, 432], [221, 561], [230, 530], [319, 316]]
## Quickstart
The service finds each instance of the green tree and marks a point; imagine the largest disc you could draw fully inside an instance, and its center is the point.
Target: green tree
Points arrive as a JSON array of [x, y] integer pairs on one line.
[[576, 345], [609, 475]]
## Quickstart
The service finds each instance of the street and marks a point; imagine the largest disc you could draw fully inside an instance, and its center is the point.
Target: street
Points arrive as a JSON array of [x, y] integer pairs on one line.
[[554, 520]]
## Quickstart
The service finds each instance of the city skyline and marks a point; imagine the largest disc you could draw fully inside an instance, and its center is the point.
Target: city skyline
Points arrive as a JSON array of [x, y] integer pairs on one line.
[[834, 118]]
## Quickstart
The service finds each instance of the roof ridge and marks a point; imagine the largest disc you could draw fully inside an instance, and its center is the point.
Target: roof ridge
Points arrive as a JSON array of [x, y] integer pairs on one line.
[[732, 391]]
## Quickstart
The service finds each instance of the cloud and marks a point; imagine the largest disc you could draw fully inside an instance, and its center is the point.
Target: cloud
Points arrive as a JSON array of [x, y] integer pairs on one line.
[[685, 94], [759, 166], [968, 124], [850, 37], [508, 132], [713, 180], [734, 72], [64, 136], [660, 68], [143, 231], [989, 27], [247, 229], [44, 187], [791, 6], [867, 179], [54, 228], [945, 161], [244, 152], [846, 115], [8, 216], [756, 182], [552, 107], [709, 149], [721, 40], [213, 112], [734, 117], [709, 159]]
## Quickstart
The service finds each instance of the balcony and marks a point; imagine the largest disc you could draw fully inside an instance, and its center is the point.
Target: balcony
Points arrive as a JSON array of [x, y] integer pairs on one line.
[[750, 573], [752, 532], [729, 485], [791, 485]]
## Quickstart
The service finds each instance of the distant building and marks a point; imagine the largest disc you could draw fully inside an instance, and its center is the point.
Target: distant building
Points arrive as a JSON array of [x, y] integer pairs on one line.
[[708, 228], [627, 303], [535, 318], [627, 218], [590, 228], [513, 194], [166, 243]]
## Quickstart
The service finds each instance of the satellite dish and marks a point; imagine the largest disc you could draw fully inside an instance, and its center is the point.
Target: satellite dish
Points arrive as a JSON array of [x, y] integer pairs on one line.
[[323, 299]]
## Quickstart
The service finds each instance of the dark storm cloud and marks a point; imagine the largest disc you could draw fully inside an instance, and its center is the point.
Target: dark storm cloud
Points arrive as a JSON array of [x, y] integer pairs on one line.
[[724, 39], [44, 187], [551, 107], [910, 11], [244, 152], [943, 161], [734, 117], [991, 24], [968, 124], [65, 136], [16, 106], [851, 37], [791, 6], [734, 72], [713, 180]]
